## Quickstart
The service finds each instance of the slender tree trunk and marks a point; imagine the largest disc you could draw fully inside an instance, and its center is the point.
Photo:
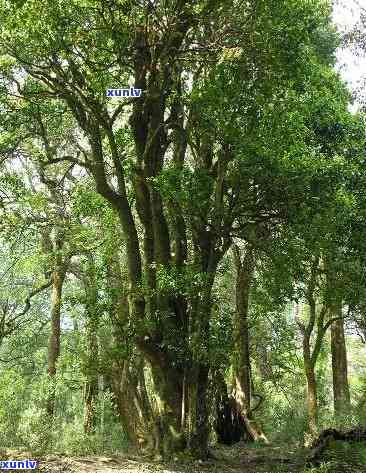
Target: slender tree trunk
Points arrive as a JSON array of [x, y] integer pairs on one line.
[[311, 353], [339, 365], [58, 277], [311, 393], [91, 385], [92, 355], [241, 337], [102, 389], [263, 361], [241, 362], [312, 400]]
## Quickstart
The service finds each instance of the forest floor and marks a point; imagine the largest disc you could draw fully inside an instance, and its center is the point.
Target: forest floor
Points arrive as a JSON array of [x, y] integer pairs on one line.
[[239, 458], [236, 459]]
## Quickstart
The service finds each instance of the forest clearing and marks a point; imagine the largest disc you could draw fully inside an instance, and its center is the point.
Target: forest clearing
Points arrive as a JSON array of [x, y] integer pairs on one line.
[[183, 236]]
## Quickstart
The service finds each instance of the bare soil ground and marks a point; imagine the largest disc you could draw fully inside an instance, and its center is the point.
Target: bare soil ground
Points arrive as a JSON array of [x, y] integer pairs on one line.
[[237, 459], [240, 458]]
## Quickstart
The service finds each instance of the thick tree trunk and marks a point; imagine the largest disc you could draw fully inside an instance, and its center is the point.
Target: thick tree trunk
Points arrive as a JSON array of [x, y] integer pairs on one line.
[[197, 424], [197, 416], [127, 378], [125, 369], [168, 391], [339, 365], [58, 277], [133, 406]]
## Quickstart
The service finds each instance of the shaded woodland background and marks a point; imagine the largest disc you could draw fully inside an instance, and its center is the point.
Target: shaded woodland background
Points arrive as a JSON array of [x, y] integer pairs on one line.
[[187, 267]]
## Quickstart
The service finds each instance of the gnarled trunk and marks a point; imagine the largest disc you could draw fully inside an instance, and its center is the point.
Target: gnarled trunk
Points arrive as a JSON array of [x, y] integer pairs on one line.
[[133, 406], [126, 376], [168, 391]]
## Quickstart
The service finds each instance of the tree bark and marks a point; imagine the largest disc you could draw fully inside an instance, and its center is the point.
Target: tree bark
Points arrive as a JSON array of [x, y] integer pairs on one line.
[[92, 368], [92, 355], [197, 415], [198, 367], [241, 362], [311, 384], [312, 399], [341, 392], [91, 396], [127, 372], [312, 342], [58, 277], [244, 270], [168, 392], [133, 406]]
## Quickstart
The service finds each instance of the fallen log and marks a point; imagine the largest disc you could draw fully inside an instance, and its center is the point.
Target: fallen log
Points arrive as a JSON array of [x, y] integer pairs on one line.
[[318, 447]]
